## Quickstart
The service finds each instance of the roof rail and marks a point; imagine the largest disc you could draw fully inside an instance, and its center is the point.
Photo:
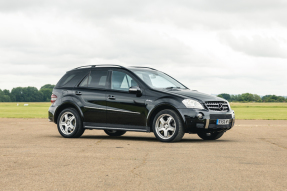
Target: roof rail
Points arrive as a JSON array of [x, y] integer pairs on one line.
[[87, 66], [99, 65], [143, 67], [109, 65]]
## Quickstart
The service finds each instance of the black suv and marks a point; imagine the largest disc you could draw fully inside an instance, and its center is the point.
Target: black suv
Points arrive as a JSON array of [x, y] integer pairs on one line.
[[117, 99]]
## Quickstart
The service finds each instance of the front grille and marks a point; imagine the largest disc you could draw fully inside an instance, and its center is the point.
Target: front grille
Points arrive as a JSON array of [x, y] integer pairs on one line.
[[217, 105]]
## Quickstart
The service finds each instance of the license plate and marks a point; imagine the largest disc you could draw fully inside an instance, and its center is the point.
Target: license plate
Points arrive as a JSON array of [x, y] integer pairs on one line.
[[222, 121]]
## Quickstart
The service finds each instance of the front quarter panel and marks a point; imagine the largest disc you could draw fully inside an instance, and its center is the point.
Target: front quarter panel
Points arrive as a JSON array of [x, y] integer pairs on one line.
[[161, 100]]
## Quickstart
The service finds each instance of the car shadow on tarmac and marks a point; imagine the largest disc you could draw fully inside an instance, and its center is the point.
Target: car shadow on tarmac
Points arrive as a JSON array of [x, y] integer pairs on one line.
[[148, 139]]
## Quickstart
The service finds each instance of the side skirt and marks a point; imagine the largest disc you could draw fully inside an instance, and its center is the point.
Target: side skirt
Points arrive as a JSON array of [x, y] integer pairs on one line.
[[101, 126]]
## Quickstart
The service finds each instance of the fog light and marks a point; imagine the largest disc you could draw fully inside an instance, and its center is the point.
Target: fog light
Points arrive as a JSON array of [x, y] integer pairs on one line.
[[199, 116]]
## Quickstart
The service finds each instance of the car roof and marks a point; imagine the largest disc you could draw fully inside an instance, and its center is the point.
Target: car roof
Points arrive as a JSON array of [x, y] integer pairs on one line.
[[109, 66]]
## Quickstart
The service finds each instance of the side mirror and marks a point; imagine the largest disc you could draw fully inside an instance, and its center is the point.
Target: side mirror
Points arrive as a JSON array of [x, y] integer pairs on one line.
[[135, 90]]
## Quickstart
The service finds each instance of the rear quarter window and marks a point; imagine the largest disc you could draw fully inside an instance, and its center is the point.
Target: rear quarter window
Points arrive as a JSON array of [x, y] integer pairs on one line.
[[71, 79]]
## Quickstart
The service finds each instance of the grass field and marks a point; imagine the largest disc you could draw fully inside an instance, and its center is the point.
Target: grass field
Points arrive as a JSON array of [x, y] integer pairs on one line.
[[33, 110], [269, 111]]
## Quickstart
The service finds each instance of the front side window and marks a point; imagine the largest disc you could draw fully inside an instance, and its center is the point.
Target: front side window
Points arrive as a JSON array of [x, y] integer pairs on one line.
[[157, 79], [96, 79], [122, 81]]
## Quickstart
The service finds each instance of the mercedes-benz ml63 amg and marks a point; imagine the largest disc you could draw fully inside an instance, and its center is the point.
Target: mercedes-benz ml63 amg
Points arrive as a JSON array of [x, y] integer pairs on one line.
[[117, 99]]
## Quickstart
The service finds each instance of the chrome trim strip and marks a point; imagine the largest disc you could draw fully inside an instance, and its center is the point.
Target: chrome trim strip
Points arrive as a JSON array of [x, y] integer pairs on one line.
[[207, 124], [113, 110], [225, 111], [124, 111], [115, 128], [95, 108]]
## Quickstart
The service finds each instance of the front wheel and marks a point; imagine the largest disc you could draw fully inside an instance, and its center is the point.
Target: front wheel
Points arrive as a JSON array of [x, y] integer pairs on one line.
[[210, 136], [114, 132], [167, 126]]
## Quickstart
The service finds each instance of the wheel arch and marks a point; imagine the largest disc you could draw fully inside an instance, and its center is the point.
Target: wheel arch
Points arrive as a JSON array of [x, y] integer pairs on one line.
[[159, 108], [65, 105]]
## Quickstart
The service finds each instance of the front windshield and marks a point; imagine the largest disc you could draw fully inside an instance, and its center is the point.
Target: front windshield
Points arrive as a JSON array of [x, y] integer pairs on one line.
[[157, 79]]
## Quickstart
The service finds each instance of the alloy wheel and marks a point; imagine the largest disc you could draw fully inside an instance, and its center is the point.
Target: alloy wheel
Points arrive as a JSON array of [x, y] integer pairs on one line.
[[165, 126], [67, 123]]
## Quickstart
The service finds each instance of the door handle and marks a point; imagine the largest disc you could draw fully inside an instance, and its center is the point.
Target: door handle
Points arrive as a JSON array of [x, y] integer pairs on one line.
[[78, 93], [111, 97]]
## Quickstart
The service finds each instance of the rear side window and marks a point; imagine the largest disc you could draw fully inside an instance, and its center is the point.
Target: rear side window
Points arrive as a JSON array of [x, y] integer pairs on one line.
[[96, 79], [71, 79]]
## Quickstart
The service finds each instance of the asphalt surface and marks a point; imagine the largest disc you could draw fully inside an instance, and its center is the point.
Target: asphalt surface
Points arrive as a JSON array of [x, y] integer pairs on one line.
[[33, 156]]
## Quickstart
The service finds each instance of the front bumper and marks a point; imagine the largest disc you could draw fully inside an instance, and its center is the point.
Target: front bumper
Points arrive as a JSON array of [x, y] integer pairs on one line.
[[208, 121]]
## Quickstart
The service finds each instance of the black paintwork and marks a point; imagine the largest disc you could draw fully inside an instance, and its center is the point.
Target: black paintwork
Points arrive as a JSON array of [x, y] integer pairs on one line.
[[104, 108]]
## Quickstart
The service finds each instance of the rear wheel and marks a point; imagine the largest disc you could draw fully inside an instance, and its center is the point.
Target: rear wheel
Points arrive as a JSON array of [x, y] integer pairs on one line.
[[210, 136], [70, 124], [167, 126], [114, 132]]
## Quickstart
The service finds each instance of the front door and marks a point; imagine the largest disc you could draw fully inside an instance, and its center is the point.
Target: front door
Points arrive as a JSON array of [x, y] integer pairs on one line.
[[124, 109]]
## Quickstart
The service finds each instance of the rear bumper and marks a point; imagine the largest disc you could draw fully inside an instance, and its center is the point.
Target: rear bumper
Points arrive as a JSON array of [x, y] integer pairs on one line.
[[208, 121], [51, 113]]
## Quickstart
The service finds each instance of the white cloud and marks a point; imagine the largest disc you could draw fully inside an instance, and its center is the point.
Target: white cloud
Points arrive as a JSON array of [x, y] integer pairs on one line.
[[257, 45], [211, 46]]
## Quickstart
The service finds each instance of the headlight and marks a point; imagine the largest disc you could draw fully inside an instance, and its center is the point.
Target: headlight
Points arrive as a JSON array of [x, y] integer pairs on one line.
[[190, 103]]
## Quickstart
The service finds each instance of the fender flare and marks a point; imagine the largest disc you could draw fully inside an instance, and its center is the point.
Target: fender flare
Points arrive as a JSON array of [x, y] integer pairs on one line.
[[66, 103], [153, 111]]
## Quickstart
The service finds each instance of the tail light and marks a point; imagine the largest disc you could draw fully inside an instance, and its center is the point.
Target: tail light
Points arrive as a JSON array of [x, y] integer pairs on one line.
[[53, 98]]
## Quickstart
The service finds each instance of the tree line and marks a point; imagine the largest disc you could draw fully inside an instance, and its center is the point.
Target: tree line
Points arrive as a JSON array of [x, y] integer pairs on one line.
[[32, 94], [27, 94], [248, 97]]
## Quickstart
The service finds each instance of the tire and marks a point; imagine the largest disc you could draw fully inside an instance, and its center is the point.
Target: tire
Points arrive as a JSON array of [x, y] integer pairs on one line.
[[70, 124], [210, 136], [114, 133], [167, 126]]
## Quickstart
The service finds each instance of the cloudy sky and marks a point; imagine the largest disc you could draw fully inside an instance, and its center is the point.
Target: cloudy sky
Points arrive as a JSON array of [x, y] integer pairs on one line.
[[212, 46]]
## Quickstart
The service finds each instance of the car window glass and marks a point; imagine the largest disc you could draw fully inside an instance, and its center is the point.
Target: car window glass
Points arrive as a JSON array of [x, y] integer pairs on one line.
[[103, 80], [68, 79], [156, 79], [84, 83], [141, 76], [159, 82], [71, 79], [122, 81], [96, 79]]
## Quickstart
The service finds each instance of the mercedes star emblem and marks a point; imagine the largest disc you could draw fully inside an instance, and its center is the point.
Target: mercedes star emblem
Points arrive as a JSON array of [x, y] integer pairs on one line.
[[220, 106]]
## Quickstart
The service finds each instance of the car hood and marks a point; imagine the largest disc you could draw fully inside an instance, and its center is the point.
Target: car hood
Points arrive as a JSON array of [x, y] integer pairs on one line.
[[193, 94]]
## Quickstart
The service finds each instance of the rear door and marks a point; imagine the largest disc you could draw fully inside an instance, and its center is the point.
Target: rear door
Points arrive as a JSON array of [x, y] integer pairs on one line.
[[92, 93], [124, 109]]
